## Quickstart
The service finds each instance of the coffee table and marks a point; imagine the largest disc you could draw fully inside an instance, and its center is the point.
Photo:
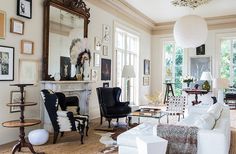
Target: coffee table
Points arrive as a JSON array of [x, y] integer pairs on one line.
[[147, 113]]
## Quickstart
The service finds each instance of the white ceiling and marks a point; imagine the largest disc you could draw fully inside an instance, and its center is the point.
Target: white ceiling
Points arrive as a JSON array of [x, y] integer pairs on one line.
[[164, 11]]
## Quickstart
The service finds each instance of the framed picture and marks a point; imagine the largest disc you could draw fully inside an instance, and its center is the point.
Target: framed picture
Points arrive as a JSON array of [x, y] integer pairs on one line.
[[97, 44], [6, 63], [106, 69], [96, 59], [105, 50], [106, 84], [65, 67], [24, 8], [28, 71], [146, 81], [15, 98], [106, 34], [2, 24], [146, 67], [16, 26], [94, 75], [199, 65], [27, 47], [200, 50]]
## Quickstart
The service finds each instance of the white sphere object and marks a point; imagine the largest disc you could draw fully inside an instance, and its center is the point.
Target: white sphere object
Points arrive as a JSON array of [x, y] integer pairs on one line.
[[190, 31], [38, 137]]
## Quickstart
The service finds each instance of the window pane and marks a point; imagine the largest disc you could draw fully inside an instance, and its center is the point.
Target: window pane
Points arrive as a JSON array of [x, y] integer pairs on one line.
[[225, 59], [120, 41]]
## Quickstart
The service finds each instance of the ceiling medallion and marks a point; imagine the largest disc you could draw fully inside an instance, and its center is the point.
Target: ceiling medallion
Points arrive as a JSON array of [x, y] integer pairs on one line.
[[189, 3]]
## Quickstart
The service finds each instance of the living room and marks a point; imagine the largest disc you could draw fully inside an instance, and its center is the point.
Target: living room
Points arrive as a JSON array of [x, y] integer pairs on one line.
[[42, 42]]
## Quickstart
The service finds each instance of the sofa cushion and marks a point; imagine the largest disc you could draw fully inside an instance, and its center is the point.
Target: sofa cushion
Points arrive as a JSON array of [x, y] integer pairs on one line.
[[205, 121], [215, 110]]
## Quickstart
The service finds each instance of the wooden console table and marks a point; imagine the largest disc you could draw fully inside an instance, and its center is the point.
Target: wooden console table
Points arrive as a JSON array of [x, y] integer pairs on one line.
[[196, 92], [22, 122]]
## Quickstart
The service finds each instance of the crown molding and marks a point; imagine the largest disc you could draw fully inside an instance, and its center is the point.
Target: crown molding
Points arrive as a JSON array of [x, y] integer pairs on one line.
[[220, 22], [128, 13]]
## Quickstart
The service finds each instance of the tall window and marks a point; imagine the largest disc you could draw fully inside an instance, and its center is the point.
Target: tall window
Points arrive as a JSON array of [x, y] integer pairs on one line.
[[126, 53], [228, 60], [173, 65]]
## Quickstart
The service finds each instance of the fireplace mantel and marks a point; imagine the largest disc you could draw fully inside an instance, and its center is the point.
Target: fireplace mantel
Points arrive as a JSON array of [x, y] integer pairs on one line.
[[81, 89]]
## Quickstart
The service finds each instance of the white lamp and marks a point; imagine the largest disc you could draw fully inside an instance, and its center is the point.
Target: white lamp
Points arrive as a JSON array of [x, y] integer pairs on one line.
[[190, 31], [207, 77], [220, 84], [128, 72]]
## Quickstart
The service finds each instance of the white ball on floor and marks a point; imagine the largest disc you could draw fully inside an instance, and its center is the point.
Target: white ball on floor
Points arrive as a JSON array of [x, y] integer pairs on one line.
[[38, 137]]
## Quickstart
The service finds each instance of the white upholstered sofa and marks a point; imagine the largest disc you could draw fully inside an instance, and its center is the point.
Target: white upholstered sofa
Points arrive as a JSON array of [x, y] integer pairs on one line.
[[213, 137]]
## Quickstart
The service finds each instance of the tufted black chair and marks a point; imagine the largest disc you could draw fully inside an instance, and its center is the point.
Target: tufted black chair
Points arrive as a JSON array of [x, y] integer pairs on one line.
[[72, 101], [110, 105], [62, 121]]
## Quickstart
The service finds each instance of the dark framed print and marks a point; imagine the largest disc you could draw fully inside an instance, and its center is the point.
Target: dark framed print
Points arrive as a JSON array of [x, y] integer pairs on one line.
[[200, 50], [6, 63], [24, 8], [146, 67], [106, 69], [65, 67], [15, 98], [16, 26], [106, 84]]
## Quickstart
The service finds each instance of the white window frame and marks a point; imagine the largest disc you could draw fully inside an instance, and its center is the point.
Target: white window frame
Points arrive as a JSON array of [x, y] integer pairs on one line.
[[128, 31]]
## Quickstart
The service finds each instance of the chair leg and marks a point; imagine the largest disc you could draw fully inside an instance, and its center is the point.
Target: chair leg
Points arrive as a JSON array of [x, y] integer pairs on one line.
[[81, 131], [167, 118], [101, 121], [179, 118], [117, 120], [62, 134], [109, 122], [55, 137]]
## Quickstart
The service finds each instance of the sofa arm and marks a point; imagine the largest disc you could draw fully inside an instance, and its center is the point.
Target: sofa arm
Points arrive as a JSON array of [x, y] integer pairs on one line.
[[212, 141]]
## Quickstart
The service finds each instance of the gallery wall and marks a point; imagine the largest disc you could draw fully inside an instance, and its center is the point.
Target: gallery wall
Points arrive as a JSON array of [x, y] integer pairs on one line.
[[34, 32]]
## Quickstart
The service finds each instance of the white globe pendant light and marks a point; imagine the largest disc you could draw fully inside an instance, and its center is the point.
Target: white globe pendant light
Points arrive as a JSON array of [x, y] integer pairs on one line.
[[190, 31]]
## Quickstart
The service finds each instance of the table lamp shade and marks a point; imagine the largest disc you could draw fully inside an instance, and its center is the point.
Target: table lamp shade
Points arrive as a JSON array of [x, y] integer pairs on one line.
[[220, 83], [206, 76], [128, 71]]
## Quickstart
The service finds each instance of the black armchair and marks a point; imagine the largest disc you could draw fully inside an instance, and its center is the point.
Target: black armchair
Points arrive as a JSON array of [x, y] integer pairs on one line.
[[110, 105]]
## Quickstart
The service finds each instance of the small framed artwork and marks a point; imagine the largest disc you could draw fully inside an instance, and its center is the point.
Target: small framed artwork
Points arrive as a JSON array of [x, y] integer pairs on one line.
[[96, 60], [97, 44], [15, 98], [28, 71], [24, 8], [65, 67], [106, 84], [200, 50], [106, 69], [16, 26], [106, 33], [94, 75], [146, 67], [2, 24], [6, 63], [146, 81], [27, 47], [105, 50]]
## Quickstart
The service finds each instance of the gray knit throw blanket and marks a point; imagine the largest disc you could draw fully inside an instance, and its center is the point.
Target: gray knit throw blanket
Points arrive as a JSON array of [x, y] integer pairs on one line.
[[181, 139]]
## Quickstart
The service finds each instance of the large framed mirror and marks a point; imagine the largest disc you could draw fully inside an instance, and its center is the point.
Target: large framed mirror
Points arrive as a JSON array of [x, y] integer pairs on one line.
[[65, 22]]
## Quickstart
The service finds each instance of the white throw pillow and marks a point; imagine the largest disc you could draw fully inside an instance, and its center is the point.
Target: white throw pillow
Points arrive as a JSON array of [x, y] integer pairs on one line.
[[215, 110], [205, 121]]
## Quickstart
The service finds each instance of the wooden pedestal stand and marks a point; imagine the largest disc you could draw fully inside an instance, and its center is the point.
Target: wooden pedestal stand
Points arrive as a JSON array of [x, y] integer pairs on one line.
[[22, 123]]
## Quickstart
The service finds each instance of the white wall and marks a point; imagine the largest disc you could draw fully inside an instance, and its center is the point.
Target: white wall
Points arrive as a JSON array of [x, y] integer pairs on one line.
[[97, 19], [33, 31], [212, 47]]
